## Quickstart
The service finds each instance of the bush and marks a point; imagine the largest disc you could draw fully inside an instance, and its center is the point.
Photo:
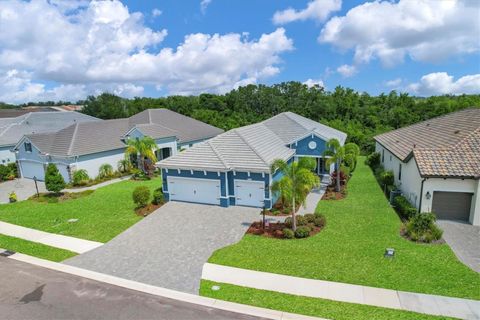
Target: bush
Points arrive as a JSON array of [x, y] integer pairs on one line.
[[387, 178], [141, 196], [422, 227], [310, 217], [5, 172], [12, 197], [288, 222], [301, 220], [124, 165], [80, 177], [319, 221], [373, 160], [13, 168], [105, 171], [302, 232], [53, 179], [288, 233], [158, 196], [404, 208]]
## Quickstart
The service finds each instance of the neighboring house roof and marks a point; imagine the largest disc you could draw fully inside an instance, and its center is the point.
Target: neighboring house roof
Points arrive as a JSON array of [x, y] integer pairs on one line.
[[13, 113], [249, 148], [93, 137], [446, 146], [13, 129]]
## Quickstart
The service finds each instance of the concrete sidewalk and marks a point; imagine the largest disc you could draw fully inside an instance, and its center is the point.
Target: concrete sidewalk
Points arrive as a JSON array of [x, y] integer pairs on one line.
[[408, 301], [96, 186], [315, 196], [49, 239]]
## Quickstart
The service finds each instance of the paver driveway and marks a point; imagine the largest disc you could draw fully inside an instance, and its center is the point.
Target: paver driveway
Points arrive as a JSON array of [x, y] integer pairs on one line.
[[169, 247], [464, 239]]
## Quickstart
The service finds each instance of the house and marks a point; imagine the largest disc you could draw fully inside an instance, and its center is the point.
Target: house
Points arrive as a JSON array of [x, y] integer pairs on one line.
[[234, 167], [436, 164], [88, 145], [14, 128]]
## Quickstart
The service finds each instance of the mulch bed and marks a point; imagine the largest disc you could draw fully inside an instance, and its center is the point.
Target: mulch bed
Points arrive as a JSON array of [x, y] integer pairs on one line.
[[145, 211], [331, 194], [274, 230]]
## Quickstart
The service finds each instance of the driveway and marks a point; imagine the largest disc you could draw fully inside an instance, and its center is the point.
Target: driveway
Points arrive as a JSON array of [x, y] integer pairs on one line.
[[24, 188], [464, 239], [169, 247]]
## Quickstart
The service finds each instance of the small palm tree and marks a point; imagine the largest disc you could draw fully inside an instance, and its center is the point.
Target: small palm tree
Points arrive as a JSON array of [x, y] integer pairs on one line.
[[297, 181], [142, 148], [124, 165], [341, 155]]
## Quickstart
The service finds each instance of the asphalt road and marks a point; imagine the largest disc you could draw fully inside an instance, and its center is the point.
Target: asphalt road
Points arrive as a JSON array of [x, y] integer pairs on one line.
[[31, 292]]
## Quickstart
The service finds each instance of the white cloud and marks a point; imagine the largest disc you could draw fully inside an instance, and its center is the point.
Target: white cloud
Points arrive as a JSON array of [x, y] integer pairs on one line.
[[107, 45], [442, 83], [425, 30], [156, 12], [204, 5], [393, 83], [347, 70], [318, 10], [314, 82]]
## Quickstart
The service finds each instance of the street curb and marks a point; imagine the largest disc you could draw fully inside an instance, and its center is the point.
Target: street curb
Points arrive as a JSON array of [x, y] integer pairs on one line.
[[162, 292]]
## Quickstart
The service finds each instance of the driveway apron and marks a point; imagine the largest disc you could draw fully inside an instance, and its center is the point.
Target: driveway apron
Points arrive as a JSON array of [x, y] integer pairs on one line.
[[169, 247]]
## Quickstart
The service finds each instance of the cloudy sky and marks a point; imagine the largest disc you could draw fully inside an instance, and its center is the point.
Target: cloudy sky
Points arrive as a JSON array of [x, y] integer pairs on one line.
[[51, 50]]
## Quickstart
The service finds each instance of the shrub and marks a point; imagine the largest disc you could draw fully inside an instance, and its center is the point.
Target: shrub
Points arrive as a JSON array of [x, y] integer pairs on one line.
[[288, 222], [80, 177], [141, 196], [12, 197], [422, 227], [387, 178], [302, 232], [158, 196], [5, 172], [301, 220], [124, 165], [319, 221], [105, 171], [310, 217], [404, 208], [288, 233], [53, 179], [373, 160]]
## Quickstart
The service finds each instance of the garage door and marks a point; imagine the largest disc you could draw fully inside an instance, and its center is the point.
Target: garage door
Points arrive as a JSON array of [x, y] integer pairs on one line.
[[194, 190], [249, 193], [32, 169], [452, 205]]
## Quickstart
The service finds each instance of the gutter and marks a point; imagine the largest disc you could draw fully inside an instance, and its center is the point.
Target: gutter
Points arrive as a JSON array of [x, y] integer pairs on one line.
[[421, 195]]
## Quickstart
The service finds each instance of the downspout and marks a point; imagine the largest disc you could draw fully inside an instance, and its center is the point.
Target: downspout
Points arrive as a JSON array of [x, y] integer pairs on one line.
[[421, 196]]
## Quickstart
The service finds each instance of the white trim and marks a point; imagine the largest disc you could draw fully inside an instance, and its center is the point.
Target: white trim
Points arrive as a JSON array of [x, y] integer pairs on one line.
[[312, 132], [219, 181]]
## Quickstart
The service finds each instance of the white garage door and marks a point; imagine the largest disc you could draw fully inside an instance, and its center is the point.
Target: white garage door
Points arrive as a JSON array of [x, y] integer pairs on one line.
[[194, 190], [32, 169], [249, 193]]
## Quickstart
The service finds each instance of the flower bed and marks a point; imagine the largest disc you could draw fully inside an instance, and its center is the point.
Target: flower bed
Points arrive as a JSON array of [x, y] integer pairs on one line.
[[307, 226]]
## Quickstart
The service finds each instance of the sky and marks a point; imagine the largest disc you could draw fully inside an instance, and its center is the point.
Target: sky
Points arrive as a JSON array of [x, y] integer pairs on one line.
[[67, 50]]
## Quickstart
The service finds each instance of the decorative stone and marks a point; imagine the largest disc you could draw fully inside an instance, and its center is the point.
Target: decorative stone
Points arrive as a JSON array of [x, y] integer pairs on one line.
[[215, 288], [72, 220]]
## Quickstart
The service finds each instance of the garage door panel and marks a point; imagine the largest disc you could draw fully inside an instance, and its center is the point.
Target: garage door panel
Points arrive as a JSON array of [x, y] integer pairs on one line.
[[194, 190], [249, 193], [32, 169], [452, 205]]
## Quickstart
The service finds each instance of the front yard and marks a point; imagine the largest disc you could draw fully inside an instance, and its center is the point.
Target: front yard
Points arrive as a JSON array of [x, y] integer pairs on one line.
[[351, 246], [101, 215]]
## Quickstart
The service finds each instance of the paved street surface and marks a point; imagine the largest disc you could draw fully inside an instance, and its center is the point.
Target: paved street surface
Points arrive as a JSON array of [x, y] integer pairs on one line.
[[31, 292], [464, 239], [169, 247]]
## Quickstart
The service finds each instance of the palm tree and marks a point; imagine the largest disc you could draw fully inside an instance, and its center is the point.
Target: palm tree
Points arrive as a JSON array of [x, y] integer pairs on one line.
[[297, 181], [143, 148], [341, 155]]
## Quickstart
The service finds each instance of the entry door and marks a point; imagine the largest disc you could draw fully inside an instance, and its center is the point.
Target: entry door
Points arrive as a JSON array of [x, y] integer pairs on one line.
[[194, 190], [250, 193]]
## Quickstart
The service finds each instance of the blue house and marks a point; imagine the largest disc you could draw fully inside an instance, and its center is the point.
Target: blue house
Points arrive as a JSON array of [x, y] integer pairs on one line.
[[234, 167]]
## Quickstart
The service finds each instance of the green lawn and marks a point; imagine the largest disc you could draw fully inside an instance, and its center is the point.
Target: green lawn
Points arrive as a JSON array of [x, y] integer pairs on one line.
[[102, 215], [350, 249], [34, 249], [305, 305]]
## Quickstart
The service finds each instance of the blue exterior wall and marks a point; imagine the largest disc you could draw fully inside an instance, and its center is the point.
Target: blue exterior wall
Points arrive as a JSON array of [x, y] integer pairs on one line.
[[302, 149], [24, 155]]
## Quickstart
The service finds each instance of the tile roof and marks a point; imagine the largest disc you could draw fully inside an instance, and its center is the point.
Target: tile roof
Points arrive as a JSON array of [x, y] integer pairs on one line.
[[249, 148], [13, 129], [93, 137], [446, 146]]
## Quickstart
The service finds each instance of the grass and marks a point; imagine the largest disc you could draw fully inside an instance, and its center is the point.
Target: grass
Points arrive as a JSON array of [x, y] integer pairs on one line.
[[305, 305], [34, 249], [350, 249], [101, 215]]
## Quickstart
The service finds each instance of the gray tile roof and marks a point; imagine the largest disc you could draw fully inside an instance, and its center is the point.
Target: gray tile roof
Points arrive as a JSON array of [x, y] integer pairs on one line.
[[13, 129], [250, 148], [92, 137], [446, 146]]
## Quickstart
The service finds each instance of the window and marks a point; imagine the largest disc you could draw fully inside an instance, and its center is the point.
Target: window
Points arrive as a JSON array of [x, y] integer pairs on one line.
[[28, 146], [383, 155], [390, 157], [399, 171]]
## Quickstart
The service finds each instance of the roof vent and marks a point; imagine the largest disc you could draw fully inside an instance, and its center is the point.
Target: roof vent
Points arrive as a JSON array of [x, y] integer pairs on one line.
[[457, 131], [428, 124], [414, 146]]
